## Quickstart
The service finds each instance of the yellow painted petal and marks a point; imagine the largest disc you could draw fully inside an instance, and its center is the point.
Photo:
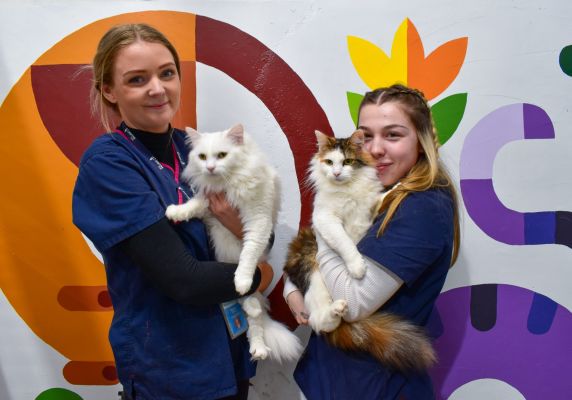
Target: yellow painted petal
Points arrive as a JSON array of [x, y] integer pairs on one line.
[[399, 55], [373, 66]]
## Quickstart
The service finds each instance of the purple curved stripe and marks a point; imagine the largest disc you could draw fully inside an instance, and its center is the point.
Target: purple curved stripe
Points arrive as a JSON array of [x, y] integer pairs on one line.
[[506, 124], [466, 354], [483, 142], [537, 124], [485, 208]]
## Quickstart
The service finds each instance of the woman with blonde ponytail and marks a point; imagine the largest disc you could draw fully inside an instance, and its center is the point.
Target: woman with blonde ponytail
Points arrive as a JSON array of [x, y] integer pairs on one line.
[[411, 245]]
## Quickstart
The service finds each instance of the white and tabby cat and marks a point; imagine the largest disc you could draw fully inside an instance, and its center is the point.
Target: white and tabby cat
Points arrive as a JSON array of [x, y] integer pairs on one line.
[[348, 194], [230, 162]]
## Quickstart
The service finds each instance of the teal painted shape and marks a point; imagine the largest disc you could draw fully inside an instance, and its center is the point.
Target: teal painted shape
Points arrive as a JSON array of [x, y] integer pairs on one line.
[[354, 100], [58, 394], [565, 60], [447, 115]]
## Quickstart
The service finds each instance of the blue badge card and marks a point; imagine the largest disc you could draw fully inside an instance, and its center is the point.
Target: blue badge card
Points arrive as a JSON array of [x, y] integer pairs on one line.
[[235, 318]]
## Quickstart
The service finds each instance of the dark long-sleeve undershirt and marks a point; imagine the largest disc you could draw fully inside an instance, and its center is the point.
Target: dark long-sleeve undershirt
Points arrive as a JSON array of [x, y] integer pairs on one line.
[[165, 261]]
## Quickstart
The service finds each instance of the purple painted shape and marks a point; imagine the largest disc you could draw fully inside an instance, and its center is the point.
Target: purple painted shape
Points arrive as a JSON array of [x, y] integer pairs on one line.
[[485, 208], [535, 365], [537, 124], [540, 227], [483, 142]]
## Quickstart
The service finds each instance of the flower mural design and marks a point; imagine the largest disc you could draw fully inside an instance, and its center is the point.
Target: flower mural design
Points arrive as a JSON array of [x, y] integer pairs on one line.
[[408, 65]]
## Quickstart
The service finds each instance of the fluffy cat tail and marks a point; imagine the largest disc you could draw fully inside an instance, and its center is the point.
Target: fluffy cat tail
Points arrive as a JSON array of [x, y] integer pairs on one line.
[[283, 343], [394, 341]]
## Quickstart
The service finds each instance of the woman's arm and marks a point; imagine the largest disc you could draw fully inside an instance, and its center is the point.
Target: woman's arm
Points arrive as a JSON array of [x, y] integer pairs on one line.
[[295, 300], [364, 296], [166, 262]]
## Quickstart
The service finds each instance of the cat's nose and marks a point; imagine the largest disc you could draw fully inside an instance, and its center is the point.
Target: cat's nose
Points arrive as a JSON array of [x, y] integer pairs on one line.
[[211, 168], [337, 173]]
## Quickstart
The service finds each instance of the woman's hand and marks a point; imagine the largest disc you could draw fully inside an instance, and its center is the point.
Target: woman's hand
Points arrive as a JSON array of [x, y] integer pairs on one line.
[[267, 273], [225, 213], [295, 301]]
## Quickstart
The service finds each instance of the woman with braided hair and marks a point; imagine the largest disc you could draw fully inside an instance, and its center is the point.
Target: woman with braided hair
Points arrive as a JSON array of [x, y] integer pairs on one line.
[[409, 249]]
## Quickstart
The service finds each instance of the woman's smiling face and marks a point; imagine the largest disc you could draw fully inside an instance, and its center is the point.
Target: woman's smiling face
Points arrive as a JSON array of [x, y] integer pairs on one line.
[[146, 86], [391, 139]]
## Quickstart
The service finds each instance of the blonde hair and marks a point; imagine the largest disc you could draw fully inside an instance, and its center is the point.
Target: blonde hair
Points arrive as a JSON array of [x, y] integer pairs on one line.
[[110, 44], [428, 172]]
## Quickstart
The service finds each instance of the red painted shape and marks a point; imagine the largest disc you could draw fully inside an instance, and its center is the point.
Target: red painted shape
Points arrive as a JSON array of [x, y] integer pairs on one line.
[[266, 75], [90, 373], [84, 298], [62, 98]]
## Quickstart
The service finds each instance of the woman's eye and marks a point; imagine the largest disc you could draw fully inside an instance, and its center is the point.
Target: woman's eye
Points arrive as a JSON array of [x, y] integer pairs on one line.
[[349, 161], [136, 80], [202, 156], [168, 73], [328, 162], [220, 155]]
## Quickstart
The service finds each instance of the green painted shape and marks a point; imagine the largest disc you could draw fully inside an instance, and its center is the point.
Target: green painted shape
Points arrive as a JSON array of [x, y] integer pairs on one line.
[[565, 60], [58, 394], [354, 100], [447, 115]]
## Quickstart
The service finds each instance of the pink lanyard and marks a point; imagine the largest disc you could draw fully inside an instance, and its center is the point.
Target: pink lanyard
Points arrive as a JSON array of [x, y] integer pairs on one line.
[[158, 164]]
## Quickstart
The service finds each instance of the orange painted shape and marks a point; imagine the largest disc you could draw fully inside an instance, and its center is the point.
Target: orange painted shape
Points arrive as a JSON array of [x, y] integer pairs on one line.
[[433, 74], [85, 298], [79, 47], [90, 373]]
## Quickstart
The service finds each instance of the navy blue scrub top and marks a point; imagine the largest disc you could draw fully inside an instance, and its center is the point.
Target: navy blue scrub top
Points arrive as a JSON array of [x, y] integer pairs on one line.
[[417, 246], [162, 349]]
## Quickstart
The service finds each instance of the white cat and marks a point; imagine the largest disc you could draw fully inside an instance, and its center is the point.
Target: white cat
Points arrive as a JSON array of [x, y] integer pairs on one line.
[[230, 162]]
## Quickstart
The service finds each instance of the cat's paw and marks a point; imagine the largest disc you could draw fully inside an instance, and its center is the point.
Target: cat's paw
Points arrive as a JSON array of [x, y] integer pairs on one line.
[[356, 268], [176, 213], [242, 283], [258, 350], [252, 307], [339, 308]]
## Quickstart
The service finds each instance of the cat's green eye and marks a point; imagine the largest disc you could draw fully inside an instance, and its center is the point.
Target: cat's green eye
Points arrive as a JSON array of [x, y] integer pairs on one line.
[[328, 161], [202, 156], [349, 161], [220, 155]]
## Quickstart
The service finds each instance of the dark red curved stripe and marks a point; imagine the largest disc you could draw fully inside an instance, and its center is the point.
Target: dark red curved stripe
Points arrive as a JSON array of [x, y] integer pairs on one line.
[[62, 98]]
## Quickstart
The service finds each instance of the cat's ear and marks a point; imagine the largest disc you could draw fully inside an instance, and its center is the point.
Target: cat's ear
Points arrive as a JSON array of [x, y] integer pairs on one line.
[[194, 136], [358, 138], [322, 139], [236, 134]]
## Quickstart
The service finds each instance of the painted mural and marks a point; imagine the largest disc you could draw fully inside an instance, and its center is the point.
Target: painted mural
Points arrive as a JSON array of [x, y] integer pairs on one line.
[[487, 331]]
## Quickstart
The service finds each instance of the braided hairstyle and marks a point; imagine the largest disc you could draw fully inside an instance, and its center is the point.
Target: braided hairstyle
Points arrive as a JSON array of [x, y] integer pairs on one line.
[[428, 172]]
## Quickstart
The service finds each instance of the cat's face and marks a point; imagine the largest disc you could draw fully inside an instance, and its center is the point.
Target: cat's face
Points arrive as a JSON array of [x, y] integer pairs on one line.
[[340, 160], [215, 154]]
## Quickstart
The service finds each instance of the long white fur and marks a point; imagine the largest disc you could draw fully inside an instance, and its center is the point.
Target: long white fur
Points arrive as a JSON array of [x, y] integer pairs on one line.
[[251, 185], [344, 203]]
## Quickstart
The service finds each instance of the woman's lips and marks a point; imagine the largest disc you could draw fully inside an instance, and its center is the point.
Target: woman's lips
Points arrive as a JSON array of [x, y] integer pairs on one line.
[[382, 167]]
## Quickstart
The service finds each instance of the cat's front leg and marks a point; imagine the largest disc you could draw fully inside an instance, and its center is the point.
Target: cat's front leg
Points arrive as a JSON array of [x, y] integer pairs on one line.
[[195, 208], [255, 240], [332, 231], [325, 314]]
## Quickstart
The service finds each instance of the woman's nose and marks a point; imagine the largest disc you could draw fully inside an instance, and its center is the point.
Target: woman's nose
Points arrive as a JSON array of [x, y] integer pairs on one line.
[[156, 86], [377, 147]]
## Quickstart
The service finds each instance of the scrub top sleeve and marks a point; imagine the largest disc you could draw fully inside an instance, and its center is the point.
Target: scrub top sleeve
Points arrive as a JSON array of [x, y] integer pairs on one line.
[[414, 239], [112, 200]]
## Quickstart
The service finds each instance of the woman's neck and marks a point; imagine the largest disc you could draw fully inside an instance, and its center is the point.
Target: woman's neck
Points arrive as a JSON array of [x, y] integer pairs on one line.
[[159, 144]]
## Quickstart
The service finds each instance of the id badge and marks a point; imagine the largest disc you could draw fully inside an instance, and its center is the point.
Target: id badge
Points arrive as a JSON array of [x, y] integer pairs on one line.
[[234, 317]]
